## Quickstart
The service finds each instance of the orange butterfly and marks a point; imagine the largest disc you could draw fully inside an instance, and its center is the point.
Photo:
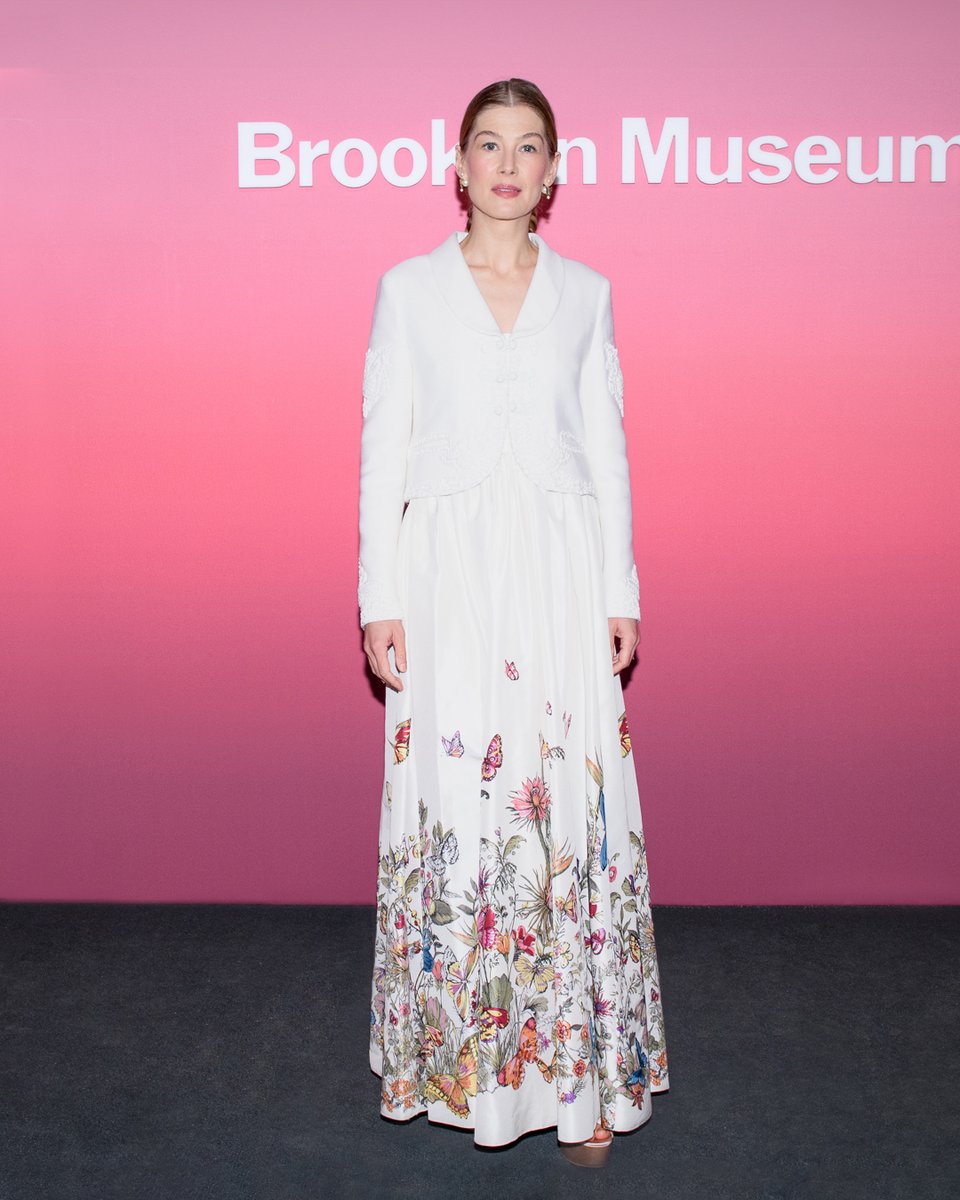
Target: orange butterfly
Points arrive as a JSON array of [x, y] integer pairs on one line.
[[458, 987], [547, 752], [494, 757], [454, 1089], [401, 747], [512, 1072], [624, 735], [492, 1019], [569, 906]]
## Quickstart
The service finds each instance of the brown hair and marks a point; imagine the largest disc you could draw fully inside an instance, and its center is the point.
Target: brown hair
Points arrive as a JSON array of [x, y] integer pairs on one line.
[[512, 92]]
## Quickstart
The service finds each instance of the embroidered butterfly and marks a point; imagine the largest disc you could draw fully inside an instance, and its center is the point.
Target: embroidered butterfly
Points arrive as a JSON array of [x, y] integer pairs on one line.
[[512, 1071], [452, 746], [547, 752], [494, 758], [454, 1089], [401, 747], [511, 669], [624, 735]]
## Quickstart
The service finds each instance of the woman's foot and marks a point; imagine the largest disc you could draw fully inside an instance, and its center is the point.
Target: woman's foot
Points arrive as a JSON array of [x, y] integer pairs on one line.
[[592, 1153]]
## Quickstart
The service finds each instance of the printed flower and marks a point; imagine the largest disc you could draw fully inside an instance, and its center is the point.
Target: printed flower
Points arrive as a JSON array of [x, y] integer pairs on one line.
[[584, 1033], [579, 1068], [400, 921], [612, 872], [562, 1031], [487, 927], [525, 941], [531, 801], [567, 1097], [601, 1007], [503, 944]]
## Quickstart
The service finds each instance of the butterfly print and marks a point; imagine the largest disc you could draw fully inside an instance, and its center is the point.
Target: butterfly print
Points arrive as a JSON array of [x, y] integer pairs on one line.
[[401, 747], [548, 752], [512, 1071], [568, 906], [494, 758], [458, 988], [637, 1080], [452, 746], [445, 855], [511, 669], [624, 735], [455, 1089], [492, 1020]]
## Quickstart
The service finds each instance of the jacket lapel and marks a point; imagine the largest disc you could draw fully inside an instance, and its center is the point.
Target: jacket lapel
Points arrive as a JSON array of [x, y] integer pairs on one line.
[[462, 295]]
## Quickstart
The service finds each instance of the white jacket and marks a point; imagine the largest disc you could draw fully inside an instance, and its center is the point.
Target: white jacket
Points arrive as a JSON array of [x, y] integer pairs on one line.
[[443, 388]]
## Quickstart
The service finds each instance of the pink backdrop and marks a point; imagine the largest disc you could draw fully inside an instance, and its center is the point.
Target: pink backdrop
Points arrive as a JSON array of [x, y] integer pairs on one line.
[[186, 714]]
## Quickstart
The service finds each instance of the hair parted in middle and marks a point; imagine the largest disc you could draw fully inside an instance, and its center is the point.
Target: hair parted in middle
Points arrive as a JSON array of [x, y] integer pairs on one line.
[[511, 92]]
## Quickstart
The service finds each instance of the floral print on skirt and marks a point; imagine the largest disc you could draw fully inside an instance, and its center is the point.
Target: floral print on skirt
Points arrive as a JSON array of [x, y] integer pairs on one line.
[[515, 983]]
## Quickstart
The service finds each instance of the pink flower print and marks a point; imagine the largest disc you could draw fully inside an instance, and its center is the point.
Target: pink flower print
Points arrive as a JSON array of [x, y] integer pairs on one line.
[[400, 921], [526, 942], [531, 801], [487, 927], [612, 873]]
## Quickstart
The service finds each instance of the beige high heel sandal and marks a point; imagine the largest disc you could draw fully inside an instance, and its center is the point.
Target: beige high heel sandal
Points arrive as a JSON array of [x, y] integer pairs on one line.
[[592, 1153]]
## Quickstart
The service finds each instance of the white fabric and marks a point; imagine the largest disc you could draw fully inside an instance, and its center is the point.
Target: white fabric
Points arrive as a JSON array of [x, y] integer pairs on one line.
[[505, 613], [444, 391]]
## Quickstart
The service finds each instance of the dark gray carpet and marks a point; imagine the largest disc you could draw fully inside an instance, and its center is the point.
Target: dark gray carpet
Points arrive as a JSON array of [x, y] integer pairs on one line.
[[181, 1052]]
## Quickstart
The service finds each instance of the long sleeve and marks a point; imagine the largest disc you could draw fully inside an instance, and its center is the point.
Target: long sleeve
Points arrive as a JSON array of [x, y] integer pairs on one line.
[[387, 415], [601, 394]]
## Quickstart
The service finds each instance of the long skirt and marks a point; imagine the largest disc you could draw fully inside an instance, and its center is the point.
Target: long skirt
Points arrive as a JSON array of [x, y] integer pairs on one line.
[[516, 984]]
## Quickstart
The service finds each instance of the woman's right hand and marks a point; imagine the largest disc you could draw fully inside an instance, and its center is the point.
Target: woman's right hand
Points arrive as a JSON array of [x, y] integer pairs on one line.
[[377, 637]]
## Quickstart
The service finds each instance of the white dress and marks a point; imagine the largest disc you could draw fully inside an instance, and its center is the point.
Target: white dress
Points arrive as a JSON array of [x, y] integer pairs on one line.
[[515, 981]]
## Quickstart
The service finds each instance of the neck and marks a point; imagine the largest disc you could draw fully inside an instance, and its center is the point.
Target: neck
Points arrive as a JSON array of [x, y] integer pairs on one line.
[[501, 245]]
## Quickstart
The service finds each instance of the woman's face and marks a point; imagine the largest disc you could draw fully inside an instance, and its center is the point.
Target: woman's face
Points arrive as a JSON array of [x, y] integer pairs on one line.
[[506, 162]]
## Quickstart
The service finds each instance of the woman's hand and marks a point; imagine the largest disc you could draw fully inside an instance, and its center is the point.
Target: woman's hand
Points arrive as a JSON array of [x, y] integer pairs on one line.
[[377, 637], [626, 629]]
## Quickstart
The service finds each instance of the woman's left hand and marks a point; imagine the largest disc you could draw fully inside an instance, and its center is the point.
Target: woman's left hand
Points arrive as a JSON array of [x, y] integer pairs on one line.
[[627, 631]]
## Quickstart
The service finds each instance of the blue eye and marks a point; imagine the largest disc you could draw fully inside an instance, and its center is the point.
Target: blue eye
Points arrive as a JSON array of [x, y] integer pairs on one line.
[[487, 145], [529, 146]]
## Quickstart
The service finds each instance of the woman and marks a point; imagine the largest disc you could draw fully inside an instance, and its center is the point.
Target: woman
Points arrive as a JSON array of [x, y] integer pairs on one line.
[[515, 981]]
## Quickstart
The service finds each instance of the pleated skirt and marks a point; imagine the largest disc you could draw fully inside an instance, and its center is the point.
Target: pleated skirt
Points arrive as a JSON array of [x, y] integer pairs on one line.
[[515, 984]]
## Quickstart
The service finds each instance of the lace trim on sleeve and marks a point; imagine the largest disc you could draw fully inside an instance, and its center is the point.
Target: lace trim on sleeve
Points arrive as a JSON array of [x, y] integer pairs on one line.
[[375, 369], [627, 602], [614, 374]]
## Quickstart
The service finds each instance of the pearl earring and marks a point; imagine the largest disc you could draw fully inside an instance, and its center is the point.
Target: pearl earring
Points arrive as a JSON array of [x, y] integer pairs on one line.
[[463, 183], [546, 191]]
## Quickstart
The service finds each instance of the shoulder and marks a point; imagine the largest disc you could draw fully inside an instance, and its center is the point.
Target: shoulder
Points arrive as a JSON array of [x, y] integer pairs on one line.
[[584, 280], [409, 272]]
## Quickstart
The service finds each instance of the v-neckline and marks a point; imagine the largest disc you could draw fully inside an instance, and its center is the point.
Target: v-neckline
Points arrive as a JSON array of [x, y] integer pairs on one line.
[[534, 241]]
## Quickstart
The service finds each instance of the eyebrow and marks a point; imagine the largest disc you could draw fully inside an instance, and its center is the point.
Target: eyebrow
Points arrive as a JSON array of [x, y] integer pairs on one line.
[[533, 133]]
